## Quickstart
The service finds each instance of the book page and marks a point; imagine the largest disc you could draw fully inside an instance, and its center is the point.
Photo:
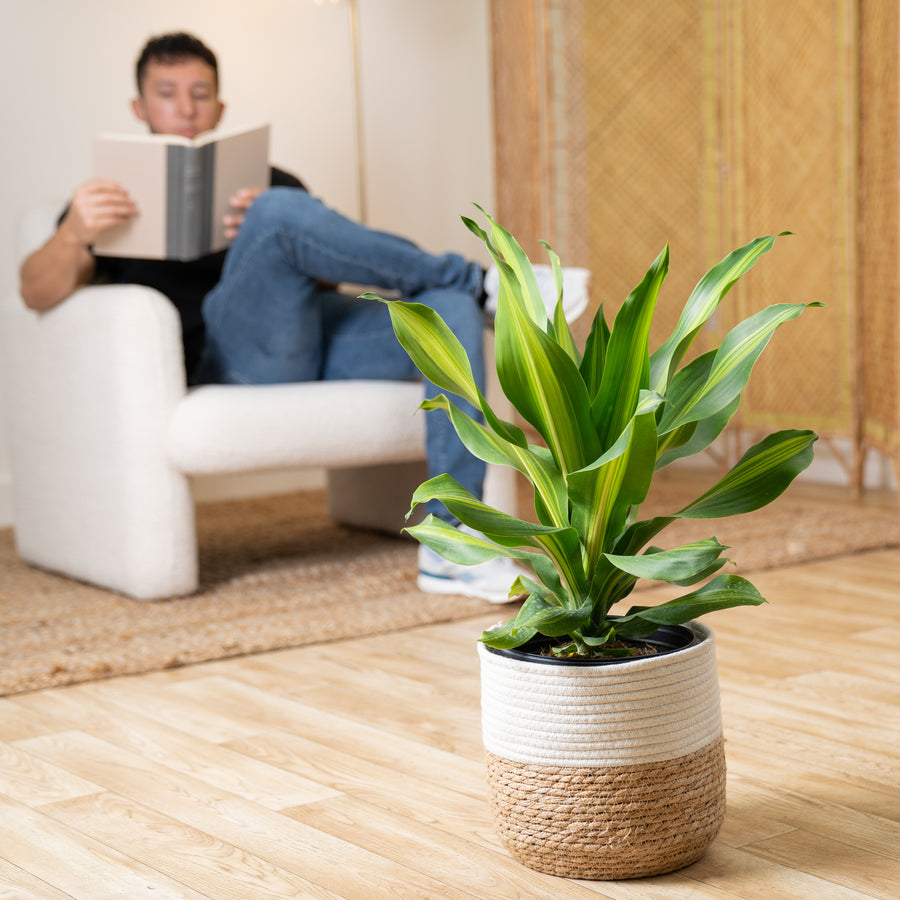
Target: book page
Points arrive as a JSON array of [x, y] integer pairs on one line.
[[142, 172], [241, 161]]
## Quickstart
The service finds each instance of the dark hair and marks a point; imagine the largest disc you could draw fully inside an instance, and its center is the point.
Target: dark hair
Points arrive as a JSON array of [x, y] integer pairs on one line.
[[172, 48]]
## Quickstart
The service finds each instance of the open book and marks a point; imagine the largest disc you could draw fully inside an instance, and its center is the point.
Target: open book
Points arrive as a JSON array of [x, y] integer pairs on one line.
[[181, 188]]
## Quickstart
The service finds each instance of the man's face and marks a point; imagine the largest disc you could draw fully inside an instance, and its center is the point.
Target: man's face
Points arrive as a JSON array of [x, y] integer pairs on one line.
[[179, 98]]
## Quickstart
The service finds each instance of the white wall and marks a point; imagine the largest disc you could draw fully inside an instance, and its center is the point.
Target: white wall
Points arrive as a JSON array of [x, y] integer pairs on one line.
[[67, 72]]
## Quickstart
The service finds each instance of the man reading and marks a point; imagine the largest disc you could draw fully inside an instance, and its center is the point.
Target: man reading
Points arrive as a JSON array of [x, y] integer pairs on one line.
[[265, 311]]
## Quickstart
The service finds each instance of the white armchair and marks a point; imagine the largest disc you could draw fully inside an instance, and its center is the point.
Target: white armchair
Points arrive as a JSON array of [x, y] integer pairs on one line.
[[105, 438]]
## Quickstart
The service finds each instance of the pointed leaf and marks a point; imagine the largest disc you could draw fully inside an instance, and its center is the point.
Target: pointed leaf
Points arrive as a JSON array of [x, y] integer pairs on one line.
[[602, 493], [695, 437], [594, 358], [550, 620], [691, 398], [560, 544], [679, 564], [546, 479], [508, 636], [762, 474], [626, 369], [433, 348], [723, 592], [702, 303], [459, 546], [561, 331], [516, 271], [544, 385]]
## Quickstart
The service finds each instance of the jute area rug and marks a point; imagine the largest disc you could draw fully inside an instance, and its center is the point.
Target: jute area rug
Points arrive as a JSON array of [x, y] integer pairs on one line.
[[276, 572]]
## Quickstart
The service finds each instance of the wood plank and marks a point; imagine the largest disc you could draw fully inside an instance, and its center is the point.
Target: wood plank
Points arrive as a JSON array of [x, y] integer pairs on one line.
[[834, 861], [16, 883], [405, 712], [17, 723], [34, 782], [816, 816], [751, 876], [86, 708], [802, 766], [210, 866], [448, 855], [261, 833], [70, 861], [461, 805]]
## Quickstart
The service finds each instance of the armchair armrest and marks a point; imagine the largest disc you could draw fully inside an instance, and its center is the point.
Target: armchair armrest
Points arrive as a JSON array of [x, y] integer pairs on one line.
[[92, 385]]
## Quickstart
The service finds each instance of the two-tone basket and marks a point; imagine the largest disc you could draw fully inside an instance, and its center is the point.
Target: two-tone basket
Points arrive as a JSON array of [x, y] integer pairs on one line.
[[605, 771]]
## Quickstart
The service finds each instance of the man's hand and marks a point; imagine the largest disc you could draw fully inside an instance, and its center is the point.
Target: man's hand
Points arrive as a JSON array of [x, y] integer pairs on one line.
[[97, 205], [50, 274], [241, 202]]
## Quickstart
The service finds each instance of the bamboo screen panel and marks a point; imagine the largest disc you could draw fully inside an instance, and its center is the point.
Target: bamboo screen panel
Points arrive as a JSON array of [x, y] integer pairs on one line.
[[789, 142], [647, 139], [879, 210], [704, 124]]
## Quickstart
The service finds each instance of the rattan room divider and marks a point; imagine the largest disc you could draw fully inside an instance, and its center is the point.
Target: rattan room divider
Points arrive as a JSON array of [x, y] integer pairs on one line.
[[623, 125]]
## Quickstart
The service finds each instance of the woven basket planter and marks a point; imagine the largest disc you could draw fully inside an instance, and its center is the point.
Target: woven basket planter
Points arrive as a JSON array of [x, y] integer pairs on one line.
[[605, 771]]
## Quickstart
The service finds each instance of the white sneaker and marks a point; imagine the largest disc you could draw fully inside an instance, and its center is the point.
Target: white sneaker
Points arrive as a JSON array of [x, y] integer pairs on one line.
[[489, 580], [575, 290]]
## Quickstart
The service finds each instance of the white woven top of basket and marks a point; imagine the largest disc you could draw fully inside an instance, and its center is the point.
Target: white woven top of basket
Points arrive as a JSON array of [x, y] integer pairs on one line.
[[643, 710]]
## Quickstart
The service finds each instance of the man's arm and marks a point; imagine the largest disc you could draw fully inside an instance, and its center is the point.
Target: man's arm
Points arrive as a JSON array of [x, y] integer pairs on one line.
[[50, 274]]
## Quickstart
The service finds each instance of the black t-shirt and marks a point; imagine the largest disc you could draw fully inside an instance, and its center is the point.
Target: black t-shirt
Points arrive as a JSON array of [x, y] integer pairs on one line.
[[184, 283]]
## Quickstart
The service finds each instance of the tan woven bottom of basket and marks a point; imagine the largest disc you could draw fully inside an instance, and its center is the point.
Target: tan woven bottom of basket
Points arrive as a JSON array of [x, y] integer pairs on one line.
[[610, 823]]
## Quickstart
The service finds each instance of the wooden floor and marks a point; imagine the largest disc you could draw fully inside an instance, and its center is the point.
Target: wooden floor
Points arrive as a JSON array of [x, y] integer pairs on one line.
[[355, 769]]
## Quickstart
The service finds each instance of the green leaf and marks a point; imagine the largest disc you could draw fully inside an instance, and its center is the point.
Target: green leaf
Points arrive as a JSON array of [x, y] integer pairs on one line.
[[471, 511], [678, 565], [695, 437], [459, 546], [516, 272], [594, 358], [702, 389], [723, 592], [560, 544], [762, 474], [536, 371], [561, 331], [701, 304], [508, 636], [544, 385], [433, 348], [626, 368], [608, 635], [492, 448], [549, 619], [602, 493]]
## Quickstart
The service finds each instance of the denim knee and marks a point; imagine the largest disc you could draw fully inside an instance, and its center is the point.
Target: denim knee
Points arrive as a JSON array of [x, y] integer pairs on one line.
[[279, 207]]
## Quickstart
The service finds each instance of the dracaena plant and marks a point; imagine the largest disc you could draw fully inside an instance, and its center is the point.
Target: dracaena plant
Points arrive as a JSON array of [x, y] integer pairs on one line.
[[609, 417]]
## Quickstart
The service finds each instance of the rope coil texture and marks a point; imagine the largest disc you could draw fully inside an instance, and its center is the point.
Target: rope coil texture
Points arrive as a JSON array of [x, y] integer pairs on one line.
[[605, 772]]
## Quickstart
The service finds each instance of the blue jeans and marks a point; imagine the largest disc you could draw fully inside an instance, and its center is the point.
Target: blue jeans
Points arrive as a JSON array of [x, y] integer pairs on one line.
[[269, 319]]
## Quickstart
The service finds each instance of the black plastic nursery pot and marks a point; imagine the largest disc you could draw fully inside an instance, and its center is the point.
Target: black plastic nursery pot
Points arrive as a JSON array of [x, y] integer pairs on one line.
[[606, 769], [666, 639]]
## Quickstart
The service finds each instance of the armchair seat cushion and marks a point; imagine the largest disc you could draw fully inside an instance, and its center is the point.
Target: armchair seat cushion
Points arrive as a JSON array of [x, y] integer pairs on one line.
[[223, 429]]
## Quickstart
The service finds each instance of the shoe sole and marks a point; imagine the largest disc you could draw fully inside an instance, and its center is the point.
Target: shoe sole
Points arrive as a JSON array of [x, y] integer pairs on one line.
[[434, 584]]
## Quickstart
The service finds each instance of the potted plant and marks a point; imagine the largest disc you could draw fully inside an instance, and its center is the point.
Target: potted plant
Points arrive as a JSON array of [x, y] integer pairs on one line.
[[602, 763]]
